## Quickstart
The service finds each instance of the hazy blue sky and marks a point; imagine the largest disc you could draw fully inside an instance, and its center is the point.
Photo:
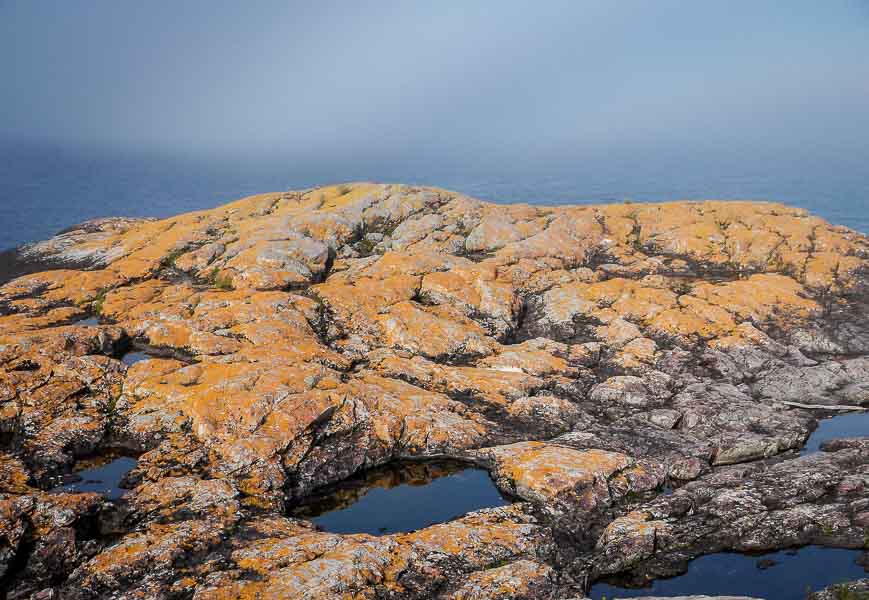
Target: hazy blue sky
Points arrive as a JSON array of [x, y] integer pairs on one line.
[[384, 78]]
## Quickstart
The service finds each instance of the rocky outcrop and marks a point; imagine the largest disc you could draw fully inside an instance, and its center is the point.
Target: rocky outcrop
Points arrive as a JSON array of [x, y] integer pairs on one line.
[[626, 374], [814, 499]]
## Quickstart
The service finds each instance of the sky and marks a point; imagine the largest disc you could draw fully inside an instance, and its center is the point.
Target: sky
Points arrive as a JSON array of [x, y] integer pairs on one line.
[[388, 78]]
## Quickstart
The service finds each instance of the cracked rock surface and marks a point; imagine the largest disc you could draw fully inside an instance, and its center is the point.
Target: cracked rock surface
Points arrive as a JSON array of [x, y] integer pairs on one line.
[[627, 374]]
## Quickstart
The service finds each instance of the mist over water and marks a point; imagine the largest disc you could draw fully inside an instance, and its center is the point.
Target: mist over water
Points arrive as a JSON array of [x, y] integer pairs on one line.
[[44, 189], [157, 108]]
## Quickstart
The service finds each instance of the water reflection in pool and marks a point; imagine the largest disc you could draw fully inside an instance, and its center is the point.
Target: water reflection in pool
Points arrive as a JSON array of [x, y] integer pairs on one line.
[[131, 358], [87, 322], [402, 497], [102, 475], [785, 575], [855, 424]]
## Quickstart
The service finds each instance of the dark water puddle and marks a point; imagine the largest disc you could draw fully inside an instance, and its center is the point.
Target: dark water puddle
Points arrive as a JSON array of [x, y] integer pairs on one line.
[[131, 358], [784, 575], [402, 497], [139, 350], [87, 322], [855, 424], [102, 475]]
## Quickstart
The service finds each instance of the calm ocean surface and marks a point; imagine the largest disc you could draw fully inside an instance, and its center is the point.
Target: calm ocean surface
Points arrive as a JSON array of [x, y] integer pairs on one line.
[[43, 190]]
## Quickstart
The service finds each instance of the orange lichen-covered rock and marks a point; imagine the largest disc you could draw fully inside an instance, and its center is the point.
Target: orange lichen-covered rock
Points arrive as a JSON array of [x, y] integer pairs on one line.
[[433, 332], [557, 476], [495, 387], [289, 561], [516, 581]]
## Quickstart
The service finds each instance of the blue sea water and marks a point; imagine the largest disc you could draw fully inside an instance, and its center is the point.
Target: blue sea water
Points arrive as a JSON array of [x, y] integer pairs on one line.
[[44, 189]]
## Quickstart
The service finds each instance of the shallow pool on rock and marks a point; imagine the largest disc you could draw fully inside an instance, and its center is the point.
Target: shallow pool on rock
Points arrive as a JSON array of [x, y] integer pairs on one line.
[[102, 475], [784, 575], [402, 497], [855, 424], [131, 358], [87, 322]]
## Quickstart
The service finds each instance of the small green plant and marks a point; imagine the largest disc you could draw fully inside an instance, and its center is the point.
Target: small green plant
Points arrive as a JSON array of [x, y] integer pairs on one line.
[[112, 404], [219, 280], [636, 237], [98, 302], [366, 246], [344, 189], [223, 283], [683, 287], [169, 259], [389, 228]]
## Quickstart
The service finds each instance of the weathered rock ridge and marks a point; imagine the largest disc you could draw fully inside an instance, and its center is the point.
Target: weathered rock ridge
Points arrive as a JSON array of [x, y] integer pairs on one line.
[[624, 372]]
